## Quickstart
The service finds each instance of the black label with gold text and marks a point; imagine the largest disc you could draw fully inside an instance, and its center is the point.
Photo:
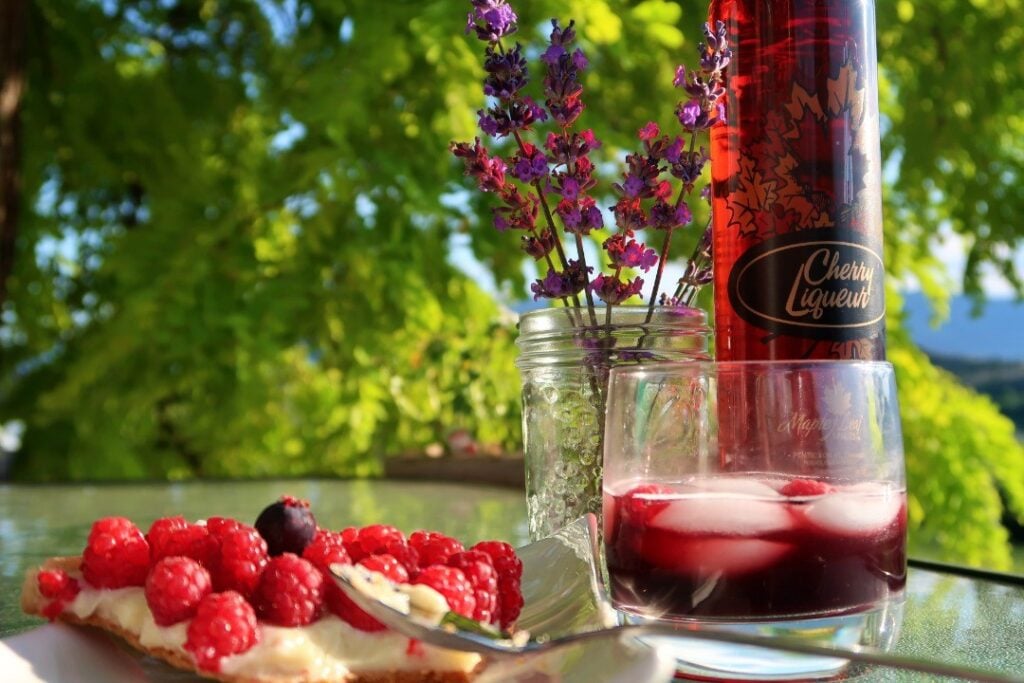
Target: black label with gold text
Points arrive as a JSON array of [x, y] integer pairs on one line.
[[817, 283]]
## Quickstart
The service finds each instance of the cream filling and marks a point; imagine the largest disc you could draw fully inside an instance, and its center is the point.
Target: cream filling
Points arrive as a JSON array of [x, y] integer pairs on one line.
[[331, 648], [328, 648]]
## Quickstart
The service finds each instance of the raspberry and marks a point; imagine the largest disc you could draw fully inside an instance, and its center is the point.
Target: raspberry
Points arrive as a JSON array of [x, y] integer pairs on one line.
[[174, 587], [386, 565], [510, 571], [242, 557], [60, 588], [290, 591], [375, 539], [287, 526], [326, 548], [433, 547], [116, 554], [174, 536], [342, 605], [406, 556], [643, 502], [55, 583], [504, 557], [453, 585], [510, 602], [225, 624], [350, 536], [479, 570], [805, 487], [219, 527]]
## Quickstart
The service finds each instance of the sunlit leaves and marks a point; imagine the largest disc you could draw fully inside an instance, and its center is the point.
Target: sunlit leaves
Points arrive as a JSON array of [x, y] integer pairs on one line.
[[198, 293]]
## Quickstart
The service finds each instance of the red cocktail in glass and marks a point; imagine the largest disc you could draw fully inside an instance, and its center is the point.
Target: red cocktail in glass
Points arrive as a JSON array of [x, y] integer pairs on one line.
[[783, 513], [747, 548]]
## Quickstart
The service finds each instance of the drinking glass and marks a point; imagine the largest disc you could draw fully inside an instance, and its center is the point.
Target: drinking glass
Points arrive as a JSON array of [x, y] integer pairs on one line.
[[767, 497]]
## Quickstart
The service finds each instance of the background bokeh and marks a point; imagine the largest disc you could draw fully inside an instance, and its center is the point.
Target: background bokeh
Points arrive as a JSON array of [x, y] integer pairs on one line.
[[241, 248]]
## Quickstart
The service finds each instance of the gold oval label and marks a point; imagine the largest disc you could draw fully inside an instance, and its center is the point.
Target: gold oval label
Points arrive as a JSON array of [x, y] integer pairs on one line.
[[821, 284]]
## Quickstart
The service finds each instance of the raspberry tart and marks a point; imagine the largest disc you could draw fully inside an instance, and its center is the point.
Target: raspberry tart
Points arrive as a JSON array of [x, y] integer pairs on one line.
[[256, 604]]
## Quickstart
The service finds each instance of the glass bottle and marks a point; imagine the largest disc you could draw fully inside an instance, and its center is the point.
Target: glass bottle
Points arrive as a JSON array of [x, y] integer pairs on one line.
[[796, 180]]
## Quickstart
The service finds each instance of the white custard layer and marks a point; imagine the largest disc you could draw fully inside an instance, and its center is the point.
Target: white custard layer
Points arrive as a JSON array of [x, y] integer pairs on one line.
[[328, 649]]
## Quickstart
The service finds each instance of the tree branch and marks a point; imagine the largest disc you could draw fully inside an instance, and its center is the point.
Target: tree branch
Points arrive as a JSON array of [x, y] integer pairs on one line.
[[13, 14]]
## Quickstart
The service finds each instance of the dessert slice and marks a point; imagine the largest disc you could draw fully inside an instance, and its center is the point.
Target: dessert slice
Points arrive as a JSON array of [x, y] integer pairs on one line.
[[256, 605]]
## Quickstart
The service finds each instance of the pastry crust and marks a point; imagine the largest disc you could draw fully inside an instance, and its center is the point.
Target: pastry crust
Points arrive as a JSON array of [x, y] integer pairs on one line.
[[33, 602]]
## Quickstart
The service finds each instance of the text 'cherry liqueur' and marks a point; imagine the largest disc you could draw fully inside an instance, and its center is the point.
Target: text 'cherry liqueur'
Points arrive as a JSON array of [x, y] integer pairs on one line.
[[796, 180]]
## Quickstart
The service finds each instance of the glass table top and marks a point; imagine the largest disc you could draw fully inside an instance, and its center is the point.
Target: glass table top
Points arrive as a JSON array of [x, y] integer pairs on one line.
[[956, 618]]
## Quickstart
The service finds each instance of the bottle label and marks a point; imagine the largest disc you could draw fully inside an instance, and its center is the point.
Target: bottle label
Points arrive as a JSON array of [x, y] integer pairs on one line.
[[818, 284]]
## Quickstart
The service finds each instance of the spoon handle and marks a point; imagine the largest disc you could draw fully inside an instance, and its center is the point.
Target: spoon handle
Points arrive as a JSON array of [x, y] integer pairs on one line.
[[856, 653]]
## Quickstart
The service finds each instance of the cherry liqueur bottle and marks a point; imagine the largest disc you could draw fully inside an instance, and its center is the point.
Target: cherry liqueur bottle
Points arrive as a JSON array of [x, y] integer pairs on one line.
[[796, 183]]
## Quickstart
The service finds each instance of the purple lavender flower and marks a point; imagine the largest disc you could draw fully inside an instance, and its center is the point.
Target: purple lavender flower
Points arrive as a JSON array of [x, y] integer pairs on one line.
[[530, 164], [562, 36], [540, 245], [562, 89], [683, 215], [580, 217], [552, 54], [612, 290], [649, 131], [570, 188], [641, 177], [489, 171], [629, 214], [680, 79], [715, 53], [588, 137], [690, 166], [519, 212], [633, 186], [488, 122], [592, 215], [674, 151], [690, 114], [572, 149], [506, 72], [663, 215], [572, 217], [563, 170], [625, 252], [585, 174], [491, 19], [707, 87], [519, 114], [559, 285]]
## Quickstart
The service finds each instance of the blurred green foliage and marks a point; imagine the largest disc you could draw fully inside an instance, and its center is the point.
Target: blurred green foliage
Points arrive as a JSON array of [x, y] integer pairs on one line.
[[234, 254]]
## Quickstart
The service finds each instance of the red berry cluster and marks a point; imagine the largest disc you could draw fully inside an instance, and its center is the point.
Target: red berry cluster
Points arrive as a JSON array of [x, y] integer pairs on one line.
[[56, 586], [221, 576]]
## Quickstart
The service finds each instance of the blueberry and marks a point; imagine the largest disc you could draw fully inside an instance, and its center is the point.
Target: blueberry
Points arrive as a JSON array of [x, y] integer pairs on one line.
[[287, 526]]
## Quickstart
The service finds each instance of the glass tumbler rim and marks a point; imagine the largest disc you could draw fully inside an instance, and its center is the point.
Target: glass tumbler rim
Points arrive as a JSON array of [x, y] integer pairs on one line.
[[698, 367]]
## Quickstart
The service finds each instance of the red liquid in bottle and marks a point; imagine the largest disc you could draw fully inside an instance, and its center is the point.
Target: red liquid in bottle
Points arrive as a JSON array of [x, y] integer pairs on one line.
[[796, 177]]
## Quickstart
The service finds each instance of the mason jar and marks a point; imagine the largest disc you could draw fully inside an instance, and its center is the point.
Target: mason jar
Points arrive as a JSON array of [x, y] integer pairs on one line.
[[564, 358]]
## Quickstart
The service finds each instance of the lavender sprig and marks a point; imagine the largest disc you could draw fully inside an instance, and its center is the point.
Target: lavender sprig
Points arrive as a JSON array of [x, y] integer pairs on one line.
[[559, 175], [491, 19]]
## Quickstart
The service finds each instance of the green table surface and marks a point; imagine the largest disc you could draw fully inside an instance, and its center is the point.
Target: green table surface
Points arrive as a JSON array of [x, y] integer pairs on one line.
[[950, 617]]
